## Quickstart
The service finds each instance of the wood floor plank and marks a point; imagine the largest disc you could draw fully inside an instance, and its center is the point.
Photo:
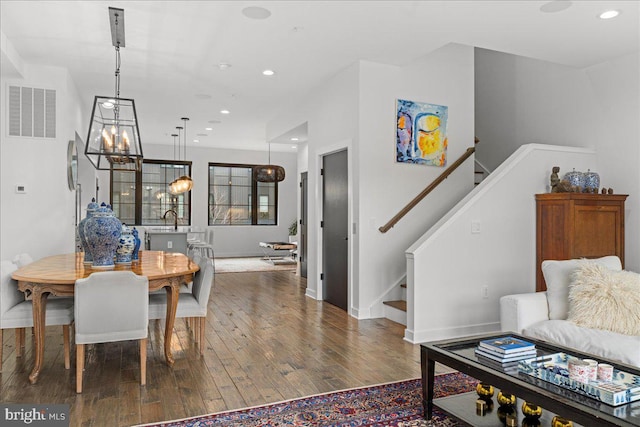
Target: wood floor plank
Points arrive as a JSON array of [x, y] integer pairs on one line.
[[265, 341]]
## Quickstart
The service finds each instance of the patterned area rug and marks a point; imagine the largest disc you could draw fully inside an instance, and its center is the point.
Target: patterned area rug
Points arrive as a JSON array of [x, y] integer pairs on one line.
[[241, 265], [390, 405]]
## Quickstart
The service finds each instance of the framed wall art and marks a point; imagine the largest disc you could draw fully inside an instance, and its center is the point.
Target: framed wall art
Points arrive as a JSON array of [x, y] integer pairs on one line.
[[421, 133]]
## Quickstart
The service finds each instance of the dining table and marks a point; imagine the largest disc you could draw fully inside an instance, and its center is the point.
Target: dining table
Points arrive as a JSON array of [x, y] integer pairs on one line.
[[57, 275]]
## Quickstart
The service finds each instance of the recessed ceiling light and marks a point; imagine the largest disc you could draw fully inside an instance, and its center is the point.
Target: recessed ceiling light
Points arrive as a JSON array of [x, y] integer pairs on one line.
[[268, 72], [107, 104], [208, 128], [224, 66], [609, 14], [196, 140], [294, 146], [294, 139], [555, 6], [224, 111], [255, 12]]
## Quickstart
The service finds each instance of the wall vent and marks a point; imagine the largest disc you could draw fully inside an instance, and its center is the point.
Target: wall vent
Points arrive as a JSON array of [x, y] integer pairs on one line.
[[32, 112]]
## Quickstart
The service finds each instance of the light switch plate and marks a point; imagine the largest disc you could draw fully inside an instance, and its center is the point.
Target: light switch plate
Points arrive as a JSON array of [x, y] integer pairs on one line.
[[21, 189]]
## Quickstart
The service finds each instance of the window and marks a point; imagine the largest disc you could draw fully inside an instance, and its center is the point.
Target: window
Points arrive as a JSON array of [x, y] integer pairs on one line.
[[236, 199], [142, 197]]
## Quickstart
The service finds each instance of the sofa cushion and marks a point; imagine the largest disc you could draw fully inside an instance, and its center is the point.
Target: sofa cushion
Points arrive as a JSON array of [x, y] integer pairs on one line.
[[557, 275], [609, 345], [604, 299]]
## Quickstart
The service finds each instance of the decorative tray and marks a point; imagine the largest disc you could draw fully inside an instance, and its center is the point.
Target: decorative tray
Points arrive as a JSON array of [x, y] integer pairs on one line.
[[623, 388]]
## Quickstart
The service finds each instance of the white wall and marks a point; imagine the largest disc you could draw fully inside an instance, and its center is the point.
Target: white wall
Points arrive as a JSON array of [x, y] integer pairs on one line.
[[42, 221], [521, 100], [231, 241], [444, 77], [616, 88], [356, 109], [448, 266]]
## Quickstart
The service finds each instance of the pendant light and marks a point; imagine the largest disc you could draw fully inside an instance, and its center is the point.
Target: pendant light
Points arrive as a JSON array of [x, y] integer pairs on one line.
[[269, 172], [113, 142], [184, 183]]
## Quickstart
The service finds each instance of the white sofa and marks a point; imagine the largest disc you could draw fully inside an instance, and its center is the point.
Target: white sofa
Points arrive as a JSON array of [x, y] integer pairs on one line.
[[543, 315]]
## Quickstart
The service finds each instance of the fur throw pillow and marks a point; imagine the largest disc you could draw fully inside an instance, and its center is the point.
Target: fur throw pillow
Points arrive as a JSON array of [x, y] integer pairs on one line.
[[600, 298]]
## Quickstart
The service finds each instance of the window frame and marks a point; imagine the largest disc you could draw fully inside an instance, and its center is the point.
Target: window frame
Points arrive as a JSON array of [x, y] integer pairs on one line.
[[139, 189], [254, 196]]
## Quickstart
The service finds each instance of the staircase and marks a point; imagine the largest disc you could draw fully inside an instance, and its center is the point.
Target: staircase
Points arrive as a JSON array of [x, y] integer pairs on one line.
[[396, 310]]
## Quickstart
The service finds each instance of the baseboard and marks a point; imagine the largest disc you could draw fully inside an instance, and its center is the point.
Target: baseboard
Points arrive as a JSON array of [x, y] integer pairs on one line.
[[311, 293], [425, 335]]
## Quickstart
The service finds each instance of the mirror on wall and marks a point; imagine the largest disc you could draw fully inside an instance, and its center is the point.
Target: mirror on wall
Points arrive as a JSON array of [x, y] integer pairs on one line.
[[72, 164]]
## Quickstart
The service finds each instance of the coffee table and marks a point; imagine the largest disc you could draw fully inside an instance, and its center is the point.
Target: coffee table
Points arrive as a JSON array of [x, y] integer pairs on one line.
[[459, 355]]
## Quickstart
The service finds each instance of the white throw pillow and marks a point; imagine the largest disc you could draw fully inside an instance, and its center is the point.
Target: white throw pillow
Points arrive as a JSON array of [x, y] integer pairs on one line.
[[557, 275], [600, 298]]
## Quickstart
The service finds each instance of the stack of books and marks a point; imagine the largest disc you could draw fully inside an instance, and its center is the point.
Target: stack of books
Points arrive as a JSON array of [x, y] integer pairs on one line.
[[505, 352]]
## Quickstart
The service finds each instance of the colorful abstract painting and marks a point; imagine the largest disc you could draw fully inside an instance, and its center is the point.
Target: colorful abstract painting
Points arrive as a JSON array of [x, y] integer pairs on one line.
[[421, 133]]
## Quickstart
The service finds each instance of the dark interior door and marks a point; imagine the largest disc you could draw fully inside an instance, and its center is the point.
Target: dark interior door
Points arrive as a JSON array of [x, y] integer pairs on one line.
[[335, 229], [302, 248]]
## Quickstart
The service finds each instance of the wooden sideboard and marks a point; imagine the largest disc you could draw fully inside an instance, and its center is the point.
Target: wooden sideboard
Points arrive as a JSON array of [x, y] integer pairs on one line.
[[578, 225]]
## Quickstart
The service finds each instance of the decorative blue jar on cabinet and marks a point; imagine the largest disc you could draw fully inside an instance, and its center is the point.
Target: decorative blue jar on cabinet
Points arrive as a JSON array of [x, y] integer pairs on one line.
[[591, 180], [103, 231], [91, 208], [126, 245], [576, 179], [136, 248]]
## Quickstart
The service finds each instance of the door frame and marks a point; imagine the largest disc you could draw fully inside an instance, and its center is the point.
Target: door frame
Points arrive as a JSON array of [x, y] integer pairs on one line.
[[319, 156]]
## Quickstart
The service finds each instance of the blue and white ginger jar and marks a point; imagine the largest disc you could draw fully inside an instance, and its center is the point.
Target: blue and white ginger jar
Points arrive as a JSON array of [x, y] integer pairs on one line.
[[91, 208], [576, 179], [591, 180], [136, 248], [103, 231], [126, 245]]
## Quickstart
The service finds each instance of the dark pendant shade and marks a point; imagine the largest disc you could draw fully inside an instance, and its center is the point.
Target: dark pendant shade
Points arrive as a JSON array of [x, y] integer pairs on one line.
[[114, 142], [268, 173]]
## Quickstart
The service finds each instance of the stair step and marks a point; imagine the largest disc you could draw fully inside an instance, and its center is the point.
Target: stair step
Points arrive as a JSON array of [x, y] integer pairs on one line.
[[399, 304]]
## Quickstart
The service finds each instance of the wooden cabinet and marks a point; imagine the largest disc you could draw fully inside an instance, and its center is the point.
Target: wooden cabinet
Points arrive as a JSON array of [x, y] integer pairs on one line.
[[577, 225]]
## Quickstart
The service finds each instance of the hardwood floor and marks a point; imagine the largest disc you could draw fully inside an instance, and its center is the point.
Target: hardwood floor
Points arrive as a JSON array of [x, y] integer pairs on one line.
[[265, 342]]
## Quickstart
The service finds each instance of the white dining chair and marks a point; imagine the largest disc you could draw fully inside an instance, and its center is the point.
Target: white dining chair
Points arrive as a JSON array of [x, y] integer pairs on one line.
[[111, 306], [191, 306], [17, 313]]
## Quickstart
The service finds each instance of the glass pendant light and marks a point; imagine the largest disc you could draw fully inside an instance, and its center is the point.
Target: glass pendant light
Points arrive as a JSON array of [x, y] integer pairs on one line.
[[113, 142], [184, 183]]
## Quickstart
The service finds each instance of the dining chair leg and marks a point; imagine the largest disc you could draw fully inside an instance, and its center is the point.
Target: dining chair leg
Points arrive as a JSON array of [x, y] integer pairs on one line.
[[201, 330], [67, 345], [143, 361], [79, 366]]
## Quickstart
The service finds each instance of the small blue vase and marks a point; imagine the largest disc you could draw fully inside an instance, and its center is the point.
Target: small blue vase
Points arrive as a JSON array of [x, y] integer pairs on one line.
[[91, 208], [576, 179], [591, 180], [136, 248], [126, 244], [103, 231]]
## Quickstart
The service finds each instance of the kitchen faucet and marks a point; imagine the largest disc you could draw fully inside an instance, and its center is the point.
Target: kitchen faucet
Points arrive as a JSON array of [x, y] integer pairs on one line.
[[175, 216]]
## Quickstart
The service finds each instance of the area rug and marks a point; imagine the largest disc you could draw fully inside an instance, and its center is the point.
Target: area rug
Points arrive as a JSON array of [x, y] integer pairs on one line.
[[397, 404], [241, 265]]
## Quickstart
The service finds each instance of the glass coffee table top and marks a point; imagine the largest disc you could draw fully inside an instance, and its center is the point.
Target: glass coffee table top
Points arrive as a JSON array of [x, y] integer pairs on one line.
[[460, 355]]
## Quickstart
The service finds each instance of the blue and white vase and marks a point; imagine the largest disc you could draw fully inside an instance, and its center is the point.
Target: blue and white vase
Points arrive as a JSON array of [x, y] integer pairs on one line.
[[591, 180], [126, 245], [91, 208], [102, 232], [576, 179], [136, 249]]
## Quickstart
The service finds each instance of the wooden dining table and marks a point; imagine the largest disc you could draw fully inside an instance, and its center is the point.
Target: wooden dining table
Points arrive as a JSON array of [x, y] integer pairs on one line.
[[57, 275]]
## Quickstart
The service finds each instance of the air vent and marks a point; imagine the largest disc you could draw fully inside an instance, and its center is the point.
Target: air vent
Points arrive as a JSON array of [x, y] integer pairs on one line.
[[32, 112]]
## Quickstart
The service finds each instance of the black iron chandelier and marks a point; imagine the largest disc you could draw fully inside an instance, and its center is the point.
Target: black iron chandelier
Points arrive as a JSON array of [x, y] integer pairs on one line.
[[113, 142]]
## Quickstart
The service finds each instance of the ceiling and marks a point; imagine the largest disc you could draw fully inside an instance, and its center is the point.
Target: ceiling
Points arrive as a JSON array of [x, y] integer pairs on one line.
[[171, 62]]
